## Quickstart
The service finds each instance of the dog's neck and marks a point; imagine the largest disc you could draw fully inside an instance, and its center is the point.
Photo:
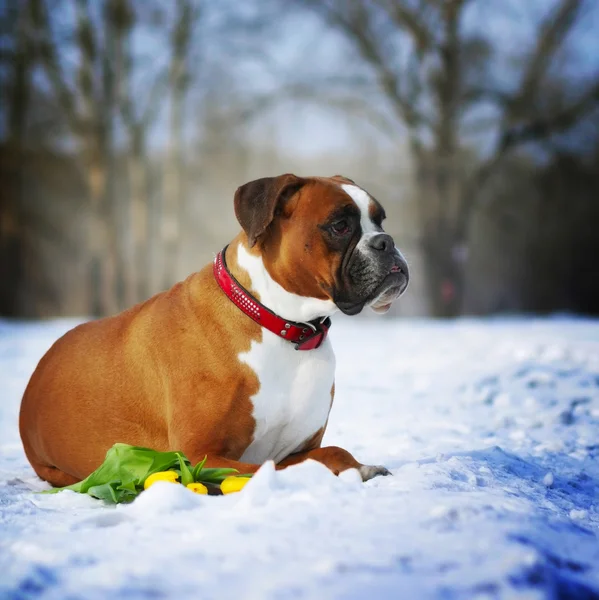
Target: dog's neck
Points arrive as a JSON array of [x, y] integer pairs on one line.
[[248, 268]]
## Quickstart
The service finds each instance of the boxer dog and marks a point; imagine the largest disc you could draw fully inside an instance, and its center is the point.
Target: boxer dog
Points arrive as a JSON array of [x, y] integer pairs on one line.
[[233, 363]]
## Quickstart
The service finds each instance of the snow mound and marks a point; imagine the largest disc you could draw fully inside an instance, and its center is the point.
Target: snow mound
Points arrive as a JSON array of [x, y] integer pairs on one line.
[[162, 499]]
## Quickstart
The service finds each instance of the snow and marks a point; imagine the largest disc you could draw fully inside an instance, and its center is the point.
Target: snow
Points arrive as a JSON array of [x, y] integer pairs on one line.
[[490, 429]]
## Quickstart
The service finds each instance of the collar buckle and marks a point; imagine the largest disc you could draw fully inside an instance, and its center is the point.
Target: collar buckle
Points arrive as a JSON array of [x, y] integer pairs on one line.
[[317, 337]]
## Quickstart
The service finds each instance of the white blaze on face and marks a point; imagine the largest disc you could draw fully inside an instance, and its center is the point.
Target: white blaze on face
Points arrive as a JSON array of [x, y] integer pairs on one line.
[[369, 229], [363, 201]]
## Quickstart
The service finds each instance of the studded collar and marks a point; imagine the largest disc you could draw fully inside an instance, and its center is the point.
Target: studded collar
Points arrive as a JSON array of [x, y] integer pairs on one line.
[[305, 336]]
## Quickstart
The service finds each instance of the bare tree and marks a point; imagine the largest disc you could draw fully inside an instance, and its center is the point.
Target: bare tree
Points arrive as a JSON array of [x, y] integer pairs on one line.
[[102, 99], [173, 178], [432, 75], [17, 103], [86, 109], [138, 117], [105, 104]]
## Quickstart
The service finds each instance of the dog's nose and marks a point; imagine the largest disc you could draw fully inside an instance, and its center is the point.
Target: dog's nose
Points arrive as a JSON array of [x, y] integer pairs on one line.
[[382, 242]]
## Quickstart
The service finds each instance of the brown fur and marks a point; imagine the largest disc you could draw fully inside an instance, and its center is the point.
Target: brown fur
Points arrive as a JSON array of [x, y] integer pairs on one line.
[[307, 268], [165, 373]]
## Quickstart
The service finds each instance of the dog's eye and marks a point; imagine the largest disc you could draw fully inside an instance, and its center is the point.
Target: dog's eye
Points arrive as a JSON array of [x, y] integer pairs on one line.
[[341, 227]]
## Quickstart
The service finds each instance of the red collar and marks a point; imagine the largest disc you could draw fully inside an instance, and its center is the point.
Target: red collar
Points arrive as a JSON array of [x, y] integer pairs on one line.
[[305, 336]]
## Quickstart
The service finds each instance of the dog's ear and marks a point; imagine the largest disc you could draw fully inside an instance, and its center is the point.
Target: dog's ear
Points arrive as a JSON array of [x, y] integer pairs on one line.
[[256, 202], [344, 179]]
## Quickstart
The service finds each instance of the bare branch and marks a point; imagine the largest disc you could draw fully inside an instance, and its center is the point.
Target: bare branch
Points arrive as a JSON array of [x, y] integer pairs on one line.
[[51, 62], [478, 93], [544, 127], [173, 181], [448, 84], [551, 35], [136, 122], [355, 24], [179, 73], [535, 130], [352, 105], [411, 22], [155, 96], [19, 88], [88, 50]]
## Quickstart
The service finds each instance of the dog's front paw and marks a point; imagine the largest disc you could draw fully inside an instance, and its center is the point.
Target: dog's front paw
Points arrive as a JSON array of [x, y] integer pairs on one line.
[[369, 471]]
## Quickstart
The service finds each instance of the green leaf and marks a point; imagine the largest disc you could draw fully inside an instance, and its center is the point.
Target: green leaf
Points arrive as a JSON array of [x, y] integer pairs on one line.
[[186, 475], [129, 486], [210, 475], [124, 470], [197, 469], [106, 492], [121, 477]]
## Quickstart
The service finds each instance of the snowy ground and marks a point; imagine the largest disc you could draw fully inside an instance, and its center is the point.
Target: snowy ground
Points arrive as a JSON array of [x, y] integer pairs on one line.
[[491, 430]]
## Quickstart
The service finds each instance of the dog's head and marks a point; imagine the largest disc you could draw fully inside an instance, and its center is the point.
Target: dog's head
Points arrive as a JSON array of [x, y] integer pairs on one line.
[[323, 238]]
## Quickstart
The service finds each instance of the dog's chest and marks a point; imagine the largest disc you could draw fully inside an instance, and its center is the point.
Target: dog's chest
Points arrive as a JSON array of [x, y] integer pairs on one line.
[[294, 398]]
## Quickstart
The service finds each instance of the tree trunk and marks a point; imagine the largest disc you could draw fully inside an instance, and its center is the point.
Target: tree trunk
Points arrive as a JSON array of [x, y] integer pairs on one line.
[[11, 225], [440, 187], [171, 217], [444, 272], [138, 186], [173, 175], [101, 248], [441, 180], [95, 135]]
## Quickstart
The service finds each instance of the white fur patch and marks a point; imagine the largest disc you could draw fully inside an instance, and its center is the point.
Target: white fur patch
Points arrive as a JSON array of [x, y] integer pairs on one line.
[[362, 200], [294, 398], [369, 229], [277, 298]]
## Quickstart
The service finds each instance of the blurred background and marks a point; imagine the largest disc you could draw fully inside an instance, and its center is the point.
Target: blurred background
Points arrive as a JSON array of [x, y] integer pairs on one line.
[[127, 125]]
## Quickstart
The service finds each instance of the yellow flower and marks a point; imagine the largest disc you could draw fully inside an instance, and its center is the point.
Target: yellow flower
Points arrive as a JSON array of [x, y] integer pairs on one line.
[[169, 476], [197, 488], [233, 484]]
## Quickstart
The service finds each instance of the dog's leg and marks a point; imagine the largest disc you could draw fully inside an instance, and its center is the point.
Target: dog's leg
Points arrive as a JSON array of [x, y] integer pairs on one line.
[[54, 476], [336, 459]]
